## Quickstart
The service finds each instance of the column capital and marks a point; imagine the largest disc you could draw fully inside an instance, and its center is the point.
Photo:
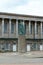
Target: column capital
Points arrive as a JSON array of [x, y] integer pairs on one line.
[[16, 20], [29, 20], [2, 18], [41, 21], [10, 19], [35, 21]]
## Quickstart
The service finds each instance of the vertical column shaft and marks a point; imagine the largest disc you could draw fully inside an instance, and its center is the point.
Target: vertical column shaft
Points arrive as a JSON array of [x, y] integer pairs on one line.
[[2, 27], [17, 28], [41, 29], [10, 27], [35, 29], [29, 27]]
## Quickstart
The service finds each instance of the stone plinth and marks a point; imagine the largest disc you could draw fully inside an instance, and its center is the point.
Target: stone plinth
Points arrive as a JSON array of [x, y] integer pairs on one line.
[[21, 43]]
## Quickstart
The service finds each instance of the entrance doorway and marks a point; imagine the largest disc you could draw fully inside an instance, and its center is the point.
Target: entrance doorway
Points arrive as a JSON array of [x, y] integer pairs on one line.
[[28, 47], [14, 47], [41, 47]]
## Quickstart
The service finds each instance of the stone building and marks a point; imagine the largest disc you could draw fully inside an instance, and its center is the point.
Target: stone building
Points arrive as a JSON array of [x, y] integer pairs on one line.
[[21, 33]]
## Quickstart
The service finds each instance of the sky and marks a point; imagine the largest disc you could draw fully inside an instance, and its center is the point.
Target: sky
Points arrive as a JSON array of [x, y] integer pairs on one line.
[[28, 7]]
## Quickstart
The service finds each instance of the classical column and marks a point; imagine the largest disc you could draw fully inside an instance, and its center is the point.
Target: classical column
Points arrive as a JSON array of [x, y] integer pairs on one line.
[[35, 28], [2, 27], [29, 27], [10, 27], [41, 29], [23, 23], [16, 28]]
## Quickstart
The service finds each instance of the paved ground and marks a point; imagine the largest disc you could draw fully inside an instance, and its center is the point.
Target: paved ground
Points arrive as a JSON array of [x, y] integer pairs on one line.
[[24, 64], [14, 58]]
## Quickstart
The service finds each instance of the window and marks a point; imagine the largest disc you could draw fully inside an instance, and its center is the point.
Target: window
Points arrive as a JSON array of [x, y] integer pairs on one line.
[[42, 27], [7, 46], [31, 28], [5, 27], [34, 47], [12, 27], [25, 28], [37, 29]]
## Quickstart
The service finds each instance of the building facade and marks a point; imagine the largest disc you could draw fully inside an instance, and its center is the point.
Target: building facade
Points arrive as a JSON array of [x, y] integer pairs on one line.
[[21, 33]]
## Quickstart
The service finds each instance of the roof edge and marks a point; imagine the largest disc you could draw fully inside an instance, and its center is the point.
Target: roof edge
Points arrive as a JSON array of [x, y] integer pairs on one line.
[[16, 14]]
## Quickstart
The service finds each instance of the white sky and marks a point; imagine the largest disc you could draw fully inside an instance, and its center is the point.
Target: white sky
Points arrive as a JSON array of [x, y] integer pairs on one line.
[[29, 7]]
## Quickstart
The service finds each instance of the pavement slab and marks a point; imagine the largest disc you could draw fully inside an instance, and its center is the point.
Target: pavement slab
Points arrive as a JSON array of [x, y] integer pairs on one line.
[[25, 64]]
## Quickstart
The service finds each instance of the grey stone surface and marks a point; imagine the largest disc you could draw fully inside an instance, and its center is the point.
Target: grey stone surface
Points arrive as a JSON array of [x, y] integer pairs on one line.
[[21, 43], [15, 58]]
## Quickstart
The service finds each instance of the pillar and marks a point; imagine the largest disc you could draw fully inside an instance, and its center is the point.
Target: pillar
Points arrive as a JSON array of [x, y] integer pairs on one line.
[[41, 29], [2, 27], [29, 27], [16, 28], [35, 29], [9, 27]]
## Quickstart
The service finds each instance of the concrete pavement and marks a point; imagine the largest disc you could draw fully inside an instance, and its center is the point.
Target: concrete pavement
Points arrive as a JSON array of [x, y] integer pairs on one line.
[[25, 64], [16, 58], [19, 58]]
